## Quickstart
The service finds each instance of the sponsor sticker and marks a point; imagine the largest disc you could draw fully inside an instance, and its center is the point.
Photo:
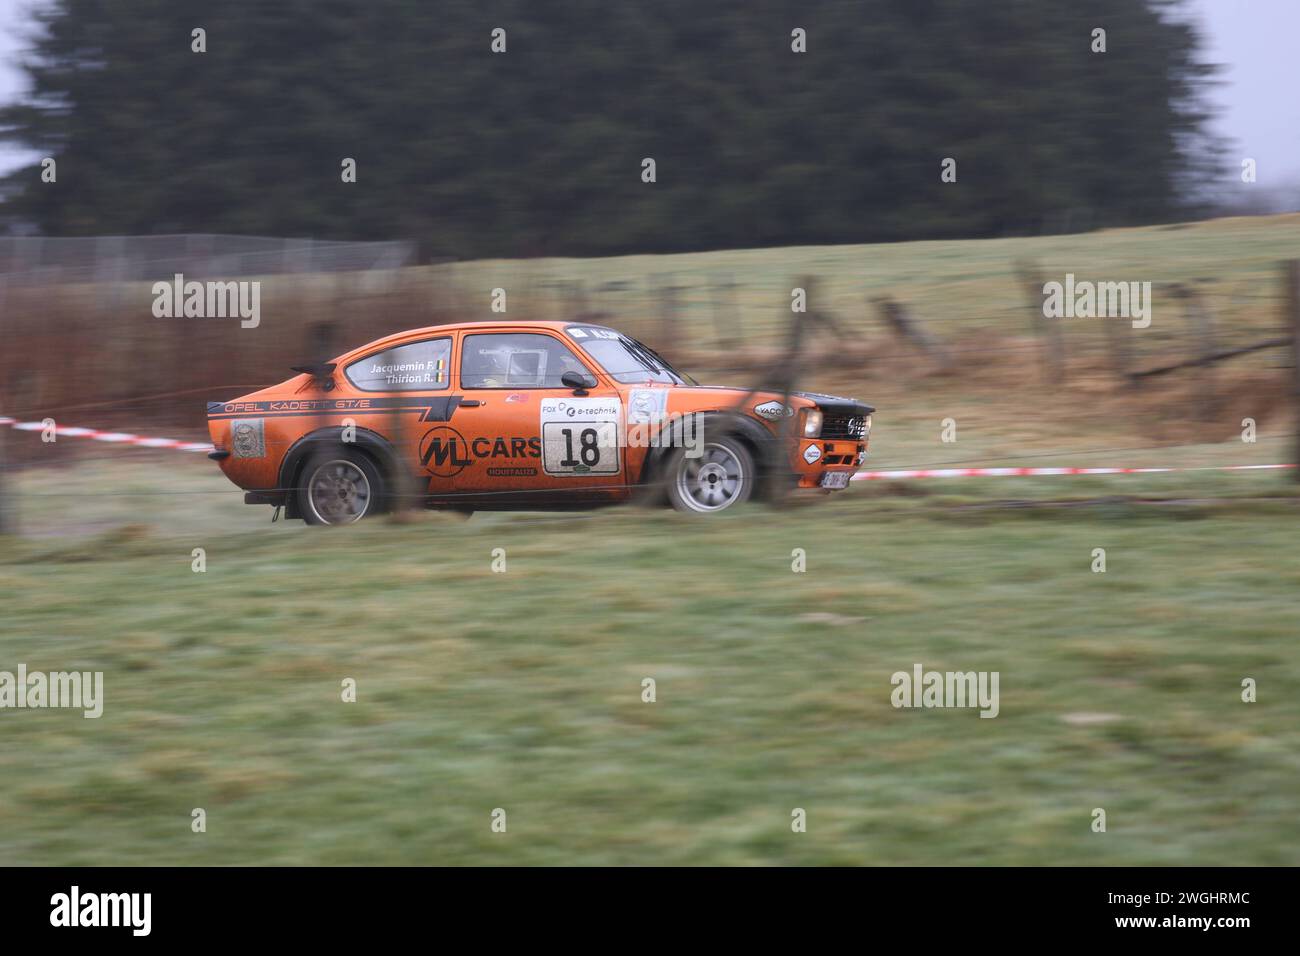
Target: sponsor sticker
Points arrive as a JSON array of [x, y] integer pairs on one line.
[[445, 452], [248, 437], [773, 411], [647, 406], [592, 333]]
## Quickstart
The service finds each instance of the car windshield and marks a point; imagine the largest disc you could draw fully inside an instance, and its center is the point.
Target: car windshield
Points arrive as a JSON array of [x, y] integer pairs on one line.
[[624, 358]]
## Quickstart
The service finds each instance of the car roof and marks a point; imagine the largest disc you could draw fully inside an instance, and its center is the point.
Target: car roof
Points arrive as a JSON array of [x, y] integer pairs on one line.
[[430, 331]]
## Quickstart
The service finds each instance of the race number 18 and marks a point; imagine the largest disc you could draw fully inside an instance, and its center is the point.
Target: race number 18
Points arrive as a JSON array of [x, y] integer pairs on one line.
[[580, 448], [589, 449]]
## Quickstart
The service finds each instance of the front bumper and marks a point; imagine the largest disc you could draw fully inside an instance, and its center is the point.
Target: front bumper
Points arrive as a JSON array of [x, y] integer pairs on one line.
[[814, 458]]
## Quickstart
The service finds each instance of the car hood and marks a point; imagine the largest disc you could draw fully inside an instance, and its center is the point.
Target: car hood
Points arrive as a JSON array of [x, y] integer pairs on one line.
[[835, 404]]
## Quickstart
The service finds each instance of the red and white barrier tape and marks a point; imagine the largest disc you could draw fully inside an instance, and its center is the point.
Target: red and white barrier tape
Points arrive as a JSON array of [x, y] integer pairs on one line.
[[123, 438], [120, 438], [1044, 472]]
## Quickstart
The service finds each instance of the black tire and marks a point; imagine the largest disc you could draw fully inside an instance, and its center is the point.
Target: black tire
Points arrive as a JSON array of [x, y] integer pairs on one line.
[[340, 485], [724, 475]]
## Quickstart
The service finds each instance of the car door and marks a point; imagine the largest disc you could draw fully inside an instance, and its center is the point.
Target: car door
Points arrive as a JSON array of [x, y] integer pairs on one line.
[[523, 432]]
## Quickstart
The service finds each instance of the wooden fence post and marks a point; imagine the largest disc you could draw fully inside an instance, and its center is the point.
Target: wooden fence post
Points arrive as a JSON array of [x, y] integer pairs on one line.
[[1120, 351], [1292, 277], [789, 370], [725, 313], [8, 506], [899, 318], [1203, 327], [667, 309], [8, 503], [576, 296], [1048, 330]]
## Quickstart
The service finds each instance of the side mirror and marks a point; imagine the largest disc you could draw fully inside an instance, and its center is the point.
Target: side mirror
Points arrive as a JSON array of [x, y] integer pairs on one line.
[[578, 381]]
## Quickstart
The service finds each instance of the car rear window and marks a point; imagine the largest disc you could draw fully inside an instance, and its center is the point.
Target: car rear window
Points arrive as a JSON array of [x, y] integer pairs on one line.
[[414, 367]]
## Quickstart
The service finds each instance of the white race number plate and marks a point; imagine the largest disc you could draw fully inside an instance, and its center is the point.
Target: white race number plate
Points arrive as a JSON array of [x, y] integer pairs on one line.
[[580, 436], [835, 479]]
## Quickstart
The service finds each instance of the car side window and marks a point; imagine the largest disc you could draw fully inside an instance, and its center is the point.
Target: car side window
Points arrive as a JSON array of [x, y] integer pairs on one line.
[[413, 367], [515, 360]]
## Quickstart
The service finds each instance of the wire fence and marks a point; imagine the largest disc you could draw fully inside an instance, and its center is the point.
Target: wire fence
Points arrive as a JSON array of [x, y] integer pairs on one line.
[[97, 322], [112, 259]]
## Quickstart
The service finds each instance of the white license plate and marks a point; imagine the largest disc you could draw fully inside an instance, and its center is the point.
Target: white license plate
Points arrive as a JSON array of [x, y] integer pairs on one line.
[[835, 479]]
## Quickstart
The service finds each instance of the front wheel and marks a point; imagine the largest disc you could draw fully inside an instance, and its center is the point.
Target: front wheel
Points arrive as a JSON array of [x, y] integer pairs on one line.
[[339, 487], [723, 475]]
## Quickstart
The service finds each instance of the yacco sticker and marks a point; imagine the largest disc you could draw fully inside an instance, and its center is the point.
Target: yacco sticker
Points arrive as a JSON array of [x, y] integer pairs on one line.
[[773, 411], [581, 436]]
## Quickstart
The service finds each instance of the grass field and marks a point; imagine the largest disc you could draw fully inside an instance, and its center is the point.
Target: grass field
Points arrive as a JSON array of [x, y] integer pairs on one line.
[[522, 690]]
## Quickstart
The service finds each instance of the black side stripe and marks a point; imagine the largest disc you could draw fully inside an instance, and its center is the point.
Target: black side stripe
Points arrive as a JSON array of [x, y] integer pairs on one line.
[[441, 409]]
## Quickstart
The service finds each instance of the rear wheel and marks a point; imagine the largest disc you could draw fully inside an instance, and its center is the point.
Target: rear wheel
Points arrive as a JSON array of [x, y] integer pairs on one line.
[[722, 476], [339, 487]]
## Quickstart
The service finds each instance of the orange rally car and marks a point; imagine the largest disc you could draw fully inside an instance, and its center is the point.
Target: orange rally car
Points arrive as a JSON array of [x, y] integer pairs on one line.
[[509, 415]]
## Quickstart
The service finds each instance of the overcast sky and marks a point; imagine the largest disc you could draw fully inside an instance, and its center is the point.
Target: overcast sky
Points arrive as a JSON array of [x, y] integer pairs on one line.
[[1255, 40]]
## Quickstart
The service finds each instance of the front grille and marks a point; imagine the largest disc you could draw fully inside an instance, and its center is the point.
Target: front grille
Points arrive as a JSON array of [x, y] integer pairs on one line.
[[843, 427]]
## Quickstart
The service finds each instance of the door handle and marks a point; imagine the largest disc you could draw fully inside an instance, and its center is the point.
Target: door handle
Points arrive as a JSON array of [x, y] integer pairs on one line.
[[472, 403]]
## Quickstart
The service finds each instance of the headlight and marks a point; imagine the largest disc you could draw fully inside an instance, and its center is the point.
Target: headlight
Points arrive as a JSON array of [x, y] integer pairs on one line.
[[812, 423]]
